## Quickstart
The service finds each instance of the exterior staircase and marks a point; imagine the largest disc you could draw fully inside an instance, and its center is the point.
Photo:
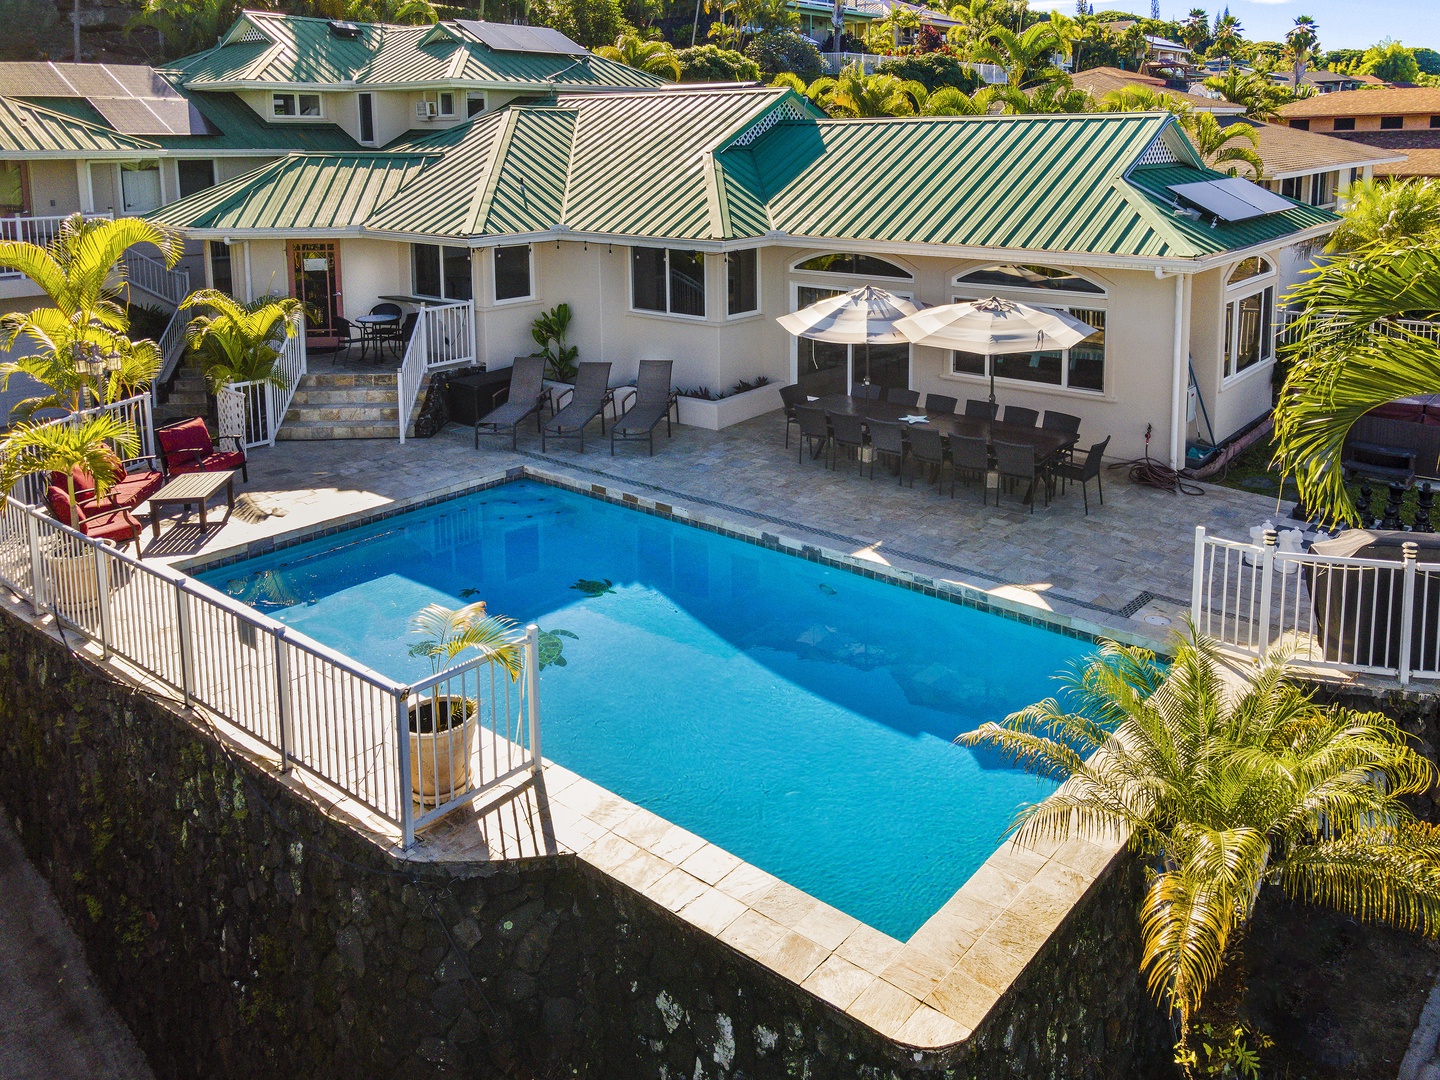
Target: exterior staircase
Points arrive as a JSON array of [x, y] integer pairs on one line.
[[334, 405], [187, 398]]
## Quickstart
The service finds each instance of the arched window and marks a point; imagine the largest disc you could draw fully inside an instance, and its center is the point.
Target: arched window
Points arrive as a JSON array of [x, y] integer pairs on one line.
[[844, 262], [1252, 267], [1013, 276]]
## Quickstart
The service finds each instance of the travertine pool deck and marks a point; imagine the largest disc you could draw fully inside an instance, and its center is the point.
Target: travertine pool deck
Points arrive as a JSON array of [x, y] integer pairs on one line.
[[1104, 573]]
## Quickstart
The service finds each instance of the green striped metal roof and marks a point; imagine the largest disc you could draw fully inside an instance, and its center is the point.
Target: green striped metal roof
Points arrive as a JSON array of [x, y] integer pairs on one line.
[[295, 50], [298, 193], [239, 127], [747, 163], [27, 129]]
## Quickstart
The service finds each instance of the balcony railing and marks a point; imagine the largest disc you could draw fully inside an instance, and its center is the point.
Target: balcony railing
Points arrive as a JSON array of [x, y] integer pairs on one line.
[[35, 230]]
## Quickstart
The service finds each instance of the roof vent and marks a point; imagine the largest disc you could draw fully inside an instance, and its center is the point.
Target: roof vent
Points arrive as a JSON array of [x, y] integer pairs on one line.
[[342, 29]]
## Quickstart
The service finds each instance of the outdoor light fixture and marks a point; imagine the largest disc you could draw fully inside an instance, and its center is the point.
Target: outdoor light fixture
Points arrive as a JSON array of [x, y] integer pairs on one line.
[[94, 363]]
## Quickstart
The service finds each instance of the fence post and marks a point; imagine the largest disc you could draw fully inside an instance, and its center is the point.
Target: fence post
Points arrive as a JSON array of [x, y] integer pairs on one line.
[[283, 701], [1410, 552], [187, 645], [532, 692], [102, 584], [407, 793], [1267, 578], [37, 568], [1197, 576]]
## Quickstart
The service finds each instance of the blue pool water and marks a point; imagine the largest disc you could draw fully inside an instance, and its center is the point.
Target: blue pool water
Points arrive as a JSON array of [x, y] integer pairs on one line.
[[799, 716]]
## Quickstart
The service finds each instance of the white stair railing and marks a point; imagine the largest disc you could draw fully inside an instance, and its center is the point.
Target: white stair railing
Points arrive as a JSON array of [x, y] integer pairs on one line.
[[444, 336], [411, 375], [157, 279], [172, 349], [253, 411]]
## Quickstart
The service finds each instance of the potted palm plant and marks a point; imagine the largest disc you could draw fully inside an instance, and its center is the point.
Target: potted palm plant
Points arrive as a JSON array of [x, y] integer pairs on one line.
[[442, 722], [94, 445], [240, 343]]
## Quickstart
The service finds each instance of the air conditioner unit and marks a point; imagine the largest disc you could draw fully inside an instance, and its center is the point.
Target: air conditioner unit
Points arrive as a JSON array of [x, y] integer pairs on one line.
[[425, 110]]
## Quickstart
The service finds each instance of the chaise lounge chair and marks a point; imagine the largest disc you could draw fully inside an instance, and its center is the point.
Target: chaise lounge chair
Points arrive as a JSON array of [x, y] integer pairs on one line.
[[587, 400], [652, 401], [527, 397]]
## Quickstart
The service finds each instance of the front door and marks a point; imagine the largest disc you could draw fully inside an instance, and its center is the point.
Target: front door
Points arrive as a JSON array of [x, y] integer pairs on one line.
[[315, 279]]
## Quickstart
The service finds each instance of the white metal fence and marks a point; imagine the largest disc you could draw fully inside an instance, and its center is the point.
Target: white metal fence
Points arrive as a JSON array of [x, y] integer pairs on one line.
[[254, 411], [155, 278], [132, 410], [369, 736], [34, 230], [1426, 328], [444, 336], [1372, 616]]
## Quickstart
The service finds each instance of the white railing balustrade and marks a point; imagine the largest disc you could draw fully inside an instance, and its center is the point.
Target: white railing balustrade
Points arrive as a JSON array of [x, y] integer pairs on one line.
[[1369, 616], [1427, 328], [155, 278], [367, 735], [35, 230], [132, 410], [444, 336], [172, 345], [253, 411]]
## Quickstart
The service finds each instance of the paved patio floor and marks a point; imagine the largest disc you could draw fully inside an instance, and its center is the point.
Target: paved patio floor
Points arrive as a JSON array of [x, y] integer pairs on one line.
[[1128, 561]]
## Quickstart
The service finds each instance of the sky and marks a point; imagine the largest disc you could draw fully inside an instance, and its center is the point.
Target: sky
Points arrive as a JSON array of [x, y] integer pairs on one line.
[[1344, 24]]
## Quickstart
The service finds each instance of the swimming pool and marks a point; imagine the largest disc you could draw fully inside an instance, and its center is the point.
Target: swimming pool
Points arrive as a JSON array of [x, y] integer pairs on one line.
[[797, 715]]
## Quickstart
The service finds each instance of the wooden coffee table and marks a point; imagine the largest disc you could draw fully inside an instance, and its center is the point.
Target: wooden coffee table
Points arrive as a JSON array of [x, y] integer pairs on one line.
[[192, 489]]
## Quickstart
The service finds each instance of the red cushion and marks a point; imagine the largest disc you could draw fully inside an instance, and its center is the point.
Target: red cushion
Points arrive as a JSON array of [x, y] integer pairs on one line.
[[115, 525], [224, 459], [128, 493], [186, 439], [59, 500]]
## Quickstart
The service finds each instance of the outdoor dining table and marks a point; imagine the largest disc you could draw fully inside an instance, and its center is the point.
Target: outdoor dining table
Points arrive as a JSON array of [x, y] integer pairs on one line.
[[374, 329], [1046, 443]]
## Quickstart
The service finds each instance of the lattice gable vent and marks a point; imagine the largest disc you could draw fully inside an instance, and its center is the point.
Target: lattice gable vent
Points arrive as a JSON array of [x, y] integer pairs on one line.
[[787, 111]]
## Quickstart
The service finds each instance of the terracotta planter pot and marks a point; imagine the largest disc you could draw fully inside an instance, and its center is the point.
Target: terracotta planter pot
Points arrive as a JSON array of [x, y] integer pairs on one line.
[[440, 751]]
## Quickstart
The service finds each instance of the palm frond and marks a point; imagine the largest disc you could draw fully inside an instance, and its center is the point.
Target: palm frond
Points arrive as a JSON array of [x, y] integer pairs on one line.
[[1388, 874]]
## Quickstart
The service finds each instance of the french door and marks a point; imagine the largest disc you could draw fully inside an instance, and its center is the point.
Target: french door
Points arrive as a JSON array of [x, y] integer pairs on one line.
[[315, 279]]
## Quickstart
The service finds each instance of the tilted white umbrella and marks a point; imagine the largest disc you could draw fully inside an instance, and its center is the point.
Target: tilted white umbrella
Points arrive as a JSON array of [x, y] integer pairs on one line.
[[994, 327], [860, 317]]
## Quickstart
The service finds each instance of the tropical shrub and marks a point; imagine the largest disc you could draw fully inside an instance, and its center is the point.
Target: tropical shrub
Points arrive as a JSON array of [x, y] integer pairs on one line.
[[709, 63], [549, 329], [1388, 212], [94, 445], [931, 70], [592, 23], [1225, 789], [653, 57], [784, 50], [445, 633], [239, 342]]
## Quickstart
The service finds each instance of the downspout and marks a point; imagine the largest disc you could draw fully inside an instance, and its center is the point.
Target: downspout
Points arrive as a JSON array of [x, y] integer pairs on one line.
[[1179, 366], [249, 285]]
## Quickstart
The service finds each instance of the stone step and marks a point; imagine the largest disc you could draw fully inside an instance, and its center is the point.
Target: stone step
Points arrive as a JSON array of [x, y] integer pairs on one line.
[[186, 397], [362, 414], [324, 395], [322, 429], [347, 380]]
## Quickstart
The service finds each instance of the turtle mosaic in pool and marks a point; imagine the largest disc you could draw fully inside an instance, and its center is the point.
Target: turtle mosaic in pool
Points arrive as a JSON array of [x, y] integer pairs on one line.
[[797, 715]]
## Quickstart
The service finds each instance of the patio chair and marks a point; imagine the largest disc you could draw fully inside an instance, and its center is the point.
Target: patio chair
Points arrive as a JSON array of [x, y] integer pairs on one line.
[[186, 447], [907, 398], [928, 445], [347, 334], [1016, 461], [652, 401], [1085, 471], [526, 398], [119, 526], [1021, 417], [790, 397], [847, 430], [888, 439], [401, 337], [940, 403], [980, 410], [867, 392], [132, 486], [814, 427], [588, 399], [1059, 421], [970, 455]]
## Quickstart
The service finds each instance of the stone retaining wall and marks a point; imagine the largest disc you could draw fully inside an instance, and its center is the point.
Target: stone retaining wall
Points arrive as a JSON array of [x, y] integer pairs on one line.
[[243, 932]]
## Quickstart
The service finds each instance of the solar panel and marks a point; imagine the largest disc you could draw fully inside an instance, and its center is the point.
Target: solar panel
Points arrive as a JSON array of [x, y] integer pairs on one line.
[[503, 37], [26, 79], [1231, 199], [151, 116]]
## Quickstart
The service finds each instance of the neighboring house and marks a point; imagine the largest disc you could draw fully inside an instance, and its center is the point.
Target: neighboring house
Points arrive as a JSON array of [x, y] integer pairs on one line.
[[680, 224], [1300, 165], [1391, 119], [817, 17], [1325, 82]]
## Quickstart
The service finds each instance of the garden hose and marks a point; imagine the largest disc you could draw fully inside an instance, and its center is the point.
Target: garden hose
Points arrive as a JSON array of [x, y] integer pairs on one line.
[[1149, 473]]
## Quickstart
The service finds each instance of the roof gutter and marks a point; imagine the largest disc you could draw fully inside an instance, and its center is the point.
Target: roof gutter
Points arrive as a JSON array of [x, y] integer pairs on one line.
[[1342, 165]]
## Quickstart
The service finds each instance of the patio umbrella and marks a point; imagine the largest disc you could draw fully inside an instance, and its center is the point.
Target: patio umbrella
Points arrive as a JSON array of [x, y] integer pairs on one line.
[[994, 327], [858, 317]]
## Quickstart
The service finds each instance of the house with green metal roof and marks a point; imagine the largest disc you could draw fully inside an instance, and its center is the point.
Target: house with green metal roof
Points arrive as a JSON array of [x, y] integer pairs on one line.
[[679, 224]]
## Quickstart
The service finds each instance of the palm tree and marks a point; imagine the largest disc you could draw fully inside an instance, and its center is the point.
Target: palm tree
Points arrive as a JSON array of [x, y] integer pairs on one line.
[[1350, 353], [1141, 99], [1221, 145], [237, 342], [1195, 30], [1223, 790], [1228, 40], [1245, 88], [656, 57], [76, 271], [950, 101], [1026, 57], [854, 93], [95, 444], [1388, 212], [449, 632], [1300, 42]]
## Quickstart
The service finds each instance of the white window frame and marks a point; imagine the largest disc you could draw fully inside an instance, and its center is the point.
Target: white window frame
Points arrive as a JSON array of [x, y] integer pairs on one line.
[[495, 281], [360, 119], [1243, 290], [296, 117], [796, 269], [440, 249], [667, 313], [437, 98], [840, 286], [759, 294]]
